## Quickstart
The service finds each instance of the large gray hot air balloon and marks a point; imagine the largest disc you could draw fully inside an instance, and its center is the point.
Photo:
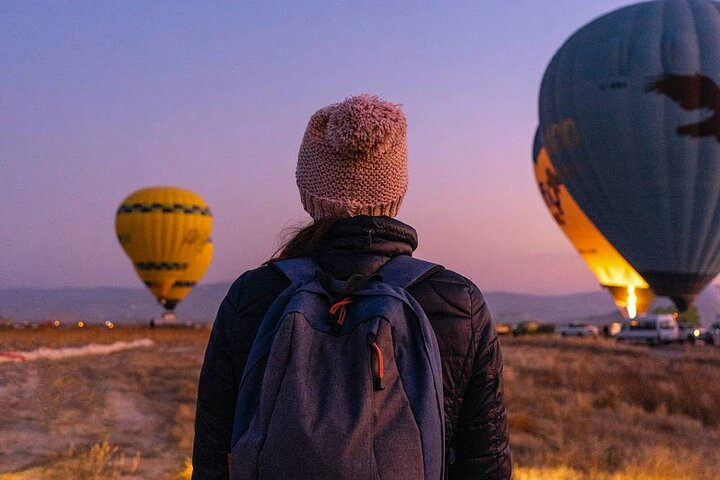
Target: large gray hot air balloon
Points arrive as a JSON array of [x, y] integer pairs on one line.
[[630, 114]]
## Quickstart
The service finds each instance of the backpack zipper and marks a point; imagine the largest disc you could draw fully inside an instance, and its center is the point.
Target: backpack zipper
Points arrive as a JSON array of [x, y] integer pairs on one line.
[[376, 362], [339, 310]]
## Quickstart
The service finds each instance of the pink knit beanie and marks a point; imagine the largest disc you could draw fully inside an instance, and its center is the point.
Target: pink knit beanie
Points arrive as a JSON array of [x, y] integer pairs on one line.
[[353, 159]]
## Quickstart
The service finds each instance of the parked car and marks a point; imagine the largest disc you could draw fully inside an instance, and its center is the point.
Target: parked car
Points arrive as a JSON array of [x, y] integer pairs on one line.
[[579, 329], [711, 335], [690, 332], [527, 327], [531, 327], [503, 328], [611, 329], [651, 329]]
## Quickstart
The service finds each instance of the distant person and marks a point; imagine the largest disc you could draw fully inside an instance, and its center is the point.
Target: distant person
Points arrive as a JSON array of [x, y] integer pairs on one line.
[[362, 410]]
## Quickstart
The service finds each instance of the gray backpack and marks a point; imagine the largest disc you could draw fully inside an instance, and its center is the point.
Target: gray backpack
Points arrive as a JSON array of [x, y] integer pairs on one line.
[[343, 381]]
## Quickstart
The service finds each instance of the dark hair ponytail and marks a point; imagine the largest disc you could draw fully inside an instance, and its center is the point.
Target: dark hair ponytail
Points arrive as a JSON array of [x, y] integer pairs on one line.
[[302, 241]]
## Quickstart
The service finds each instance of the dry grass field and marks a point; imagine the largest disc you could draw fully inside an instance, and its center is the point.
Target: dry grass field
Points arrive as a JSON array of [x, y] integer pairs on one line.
[[579, 409], [592, 409]]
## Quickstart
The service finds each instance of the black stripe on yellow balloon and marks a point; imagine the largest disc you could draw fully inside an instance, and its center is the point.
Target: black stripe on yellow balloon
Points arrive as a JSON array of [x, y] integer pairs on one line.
[[161, 266], [165, 208], [181, 284]]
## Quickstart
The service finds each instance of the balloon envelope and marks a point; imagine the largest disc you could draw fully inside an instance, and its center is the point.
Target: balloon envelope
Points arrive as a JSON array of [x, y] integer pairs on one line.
[[630, 114], [190, 277], [163, 230], [631, 293]]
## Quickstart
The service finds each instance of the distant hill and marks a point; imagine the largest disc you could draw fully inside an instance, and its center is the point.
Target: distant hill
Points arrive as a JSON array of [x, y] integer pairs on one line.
[[593, 307], [514, 307], [105, 303], [131, 305]]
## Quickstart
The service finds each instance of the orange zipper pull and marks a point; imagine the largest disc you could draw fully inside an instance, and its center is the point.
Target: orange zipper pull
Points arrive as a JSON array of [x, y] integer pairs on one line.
[[339, 309], [378, 370]]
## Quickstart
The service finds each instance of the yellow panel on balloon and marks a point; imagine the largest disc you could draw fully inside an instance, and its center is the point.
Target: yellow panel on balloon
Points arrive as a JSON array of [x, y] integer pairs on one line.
[[629, 290], [163, 230], [190, 277]]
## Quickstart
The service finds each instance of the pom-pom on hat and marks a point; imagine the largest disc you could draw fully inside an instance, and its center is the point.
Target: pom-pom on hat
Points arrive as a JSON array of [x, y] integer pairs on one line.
[[353, 159]]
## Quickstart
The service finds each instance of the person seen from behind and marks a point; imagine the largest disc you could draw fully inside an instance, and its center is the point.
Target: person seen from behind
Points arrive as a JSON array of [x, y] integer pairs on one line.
[[323, 362]]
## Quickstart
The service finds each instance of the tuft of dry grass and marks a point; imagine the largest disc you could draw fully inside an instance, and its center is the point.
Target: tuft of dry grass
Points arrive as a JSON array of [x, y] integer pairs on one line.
[[101, 461], [649, 464], [186, 474]]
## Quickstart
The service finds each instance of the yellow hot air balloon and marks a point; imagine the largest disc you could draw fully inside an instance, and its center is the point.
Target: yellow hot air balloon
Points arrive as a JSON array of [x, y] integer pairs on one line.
[[190, 277], [163, 230], [630, 291]]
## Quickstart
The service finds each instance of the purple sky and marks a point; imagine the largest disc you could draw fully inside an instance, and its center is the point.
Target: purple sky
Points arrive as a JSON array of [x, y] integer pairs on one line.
[[98, 99]]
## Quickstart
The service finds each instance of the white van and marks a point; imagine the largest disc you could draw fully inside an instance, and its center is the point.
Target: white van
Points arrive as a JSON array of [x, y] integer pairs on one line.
[[651, 329], [579, 329]]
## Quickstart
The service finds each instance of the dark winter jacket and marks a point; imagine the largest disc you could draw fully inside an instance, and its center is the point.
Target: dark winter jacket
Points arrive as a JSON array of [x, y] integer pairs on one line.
[[476, 423]]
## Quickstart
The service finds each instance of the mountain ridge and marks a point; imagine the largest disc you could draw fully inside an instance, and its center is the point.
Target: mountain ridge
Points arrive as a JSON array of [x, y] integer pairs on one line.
[[135, 304]]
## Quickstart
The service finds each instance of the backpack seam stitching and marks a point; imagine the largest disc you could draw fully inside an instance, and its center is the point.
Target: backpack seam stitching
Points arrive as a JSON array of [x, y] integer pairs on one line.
[[407, 397], [272, 411]]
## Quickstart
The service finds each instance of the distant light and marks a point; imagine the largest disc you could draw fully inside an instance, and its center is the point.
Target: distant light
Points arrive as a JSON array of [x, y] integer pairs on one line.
[[109, 325], [81, 324], [696, 332], [56, 323]]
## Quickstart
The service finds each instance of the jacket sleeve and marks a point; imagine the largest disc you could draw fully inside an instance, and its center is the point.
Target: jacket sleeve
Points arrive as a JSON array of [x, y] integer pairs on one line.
[[217, 394], [480, 440]]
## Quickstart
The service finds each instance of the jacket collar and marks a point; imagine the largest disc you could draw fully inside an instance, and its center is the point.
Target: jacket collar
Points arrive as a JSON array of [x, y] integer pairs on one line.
[[363, 244]]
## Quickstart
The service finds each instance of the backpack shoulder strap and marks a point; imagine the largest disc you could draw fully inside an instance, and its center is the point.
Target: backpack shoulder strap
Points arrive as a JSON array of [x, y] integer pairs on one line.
[[405, 271], [297, 270]]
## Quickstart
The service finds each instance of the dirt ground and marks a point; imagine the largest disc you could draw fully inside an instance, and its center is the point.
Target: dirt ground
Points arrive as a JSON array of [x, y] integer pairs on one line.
[[578, 409], [125, 414]]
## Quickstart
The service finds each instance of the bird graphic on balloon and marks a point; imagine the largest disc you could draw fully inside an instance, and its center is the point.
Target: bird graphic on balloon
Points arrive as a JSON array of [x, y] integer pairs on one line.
[[691, 92]]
